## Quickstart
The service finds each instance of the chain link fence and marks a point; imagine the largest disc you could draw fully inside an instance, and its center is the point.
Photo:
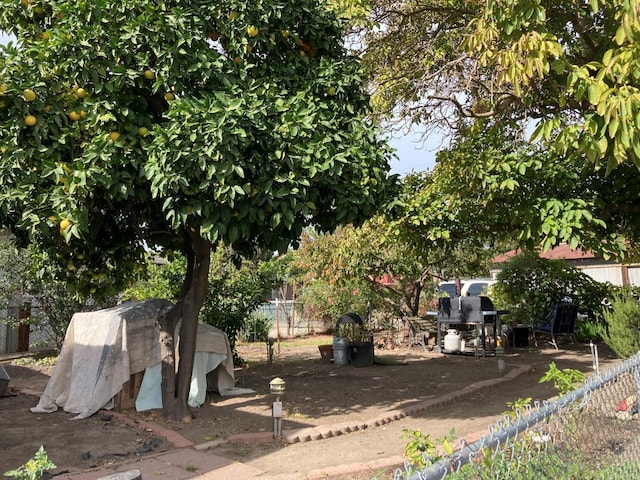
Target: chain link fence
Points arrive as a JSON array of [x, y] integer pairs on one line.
[[591, 433]]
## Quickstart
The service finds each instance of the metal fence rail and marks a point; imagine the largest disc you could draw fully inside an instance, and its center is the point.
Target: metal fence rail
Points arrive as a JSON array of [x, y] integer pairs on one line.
[[590, 433]]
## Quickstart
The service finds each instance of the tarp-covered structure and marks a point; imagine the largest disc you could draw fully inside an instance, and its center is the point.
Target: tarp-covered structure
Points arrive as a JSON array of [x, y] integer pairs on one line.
[[103, 349]]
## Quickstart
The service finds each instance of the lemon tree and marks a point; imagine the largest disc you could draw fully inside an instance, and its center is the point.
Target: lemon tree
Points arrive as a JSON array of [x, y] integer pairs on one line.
[[180, 146]]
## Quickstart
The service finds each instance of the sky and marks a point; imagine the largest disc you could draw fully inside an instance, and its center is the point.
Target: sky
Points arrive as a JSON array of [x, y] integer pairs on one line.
[[413, 154]]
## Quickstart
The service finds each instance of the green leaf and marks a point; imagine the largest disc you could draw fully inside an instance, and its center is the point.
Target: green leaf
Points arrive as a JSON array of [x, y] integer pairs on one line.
[[620, 36], [595, 92]]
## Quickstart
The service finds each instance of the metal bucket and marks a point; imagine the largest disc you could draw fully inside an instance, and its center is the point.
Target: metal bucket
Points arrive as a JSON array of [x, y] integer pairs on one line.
[[340, 355]]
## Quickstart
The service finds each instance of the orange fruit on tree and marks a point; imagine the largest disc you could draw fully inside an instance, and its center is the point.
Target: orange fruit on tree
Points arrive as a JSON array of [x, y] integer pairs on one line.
[[29, 95], [252, 31], [64, 224], [149, 75], [30, 120], [74, 116], [114, 136], [169, 96], [143, 131], [81, 93]]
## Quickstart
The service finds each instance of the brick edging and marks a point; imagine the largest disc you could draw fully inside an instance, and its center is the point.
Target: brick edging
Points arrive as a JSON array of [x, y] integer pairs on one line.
[[327, 431]]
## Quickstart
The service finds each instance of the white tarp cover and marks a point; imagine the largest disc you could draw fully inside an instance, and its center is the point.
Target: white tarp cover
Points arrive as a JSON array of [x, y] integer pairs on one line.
[[102, 349]]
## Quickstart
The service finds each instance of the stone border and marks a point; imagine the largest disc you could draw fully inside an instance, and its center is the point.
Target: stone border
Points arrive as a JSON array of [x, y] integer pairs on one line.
[[320, 432]]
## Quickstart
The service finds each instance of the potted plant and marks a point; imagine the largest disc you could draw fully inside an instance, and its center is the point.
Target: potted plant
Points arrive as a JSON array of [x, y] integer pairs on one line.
[[360, 345]]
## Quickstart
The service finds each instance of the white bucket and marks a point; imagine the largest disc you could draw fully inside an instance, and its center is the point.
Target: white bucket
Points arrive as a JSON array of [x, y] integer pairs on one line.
[[452, 341]]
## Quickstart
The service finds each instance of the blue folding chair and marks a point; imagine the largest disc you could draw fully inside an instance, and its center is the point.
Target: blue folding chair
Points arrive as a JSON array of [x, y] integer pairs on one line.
[[560, 321]]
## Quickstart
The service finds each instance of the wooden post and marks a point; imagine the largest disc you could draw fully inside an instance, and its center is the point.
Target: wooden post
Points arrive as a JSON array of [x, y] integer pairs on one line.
[[277, 327], [24, 329]]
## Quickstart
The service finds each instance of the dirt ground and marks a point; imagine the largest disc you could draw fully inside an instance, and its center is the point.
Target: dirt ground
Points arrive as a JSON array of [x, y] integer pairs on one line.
[[317, 393]]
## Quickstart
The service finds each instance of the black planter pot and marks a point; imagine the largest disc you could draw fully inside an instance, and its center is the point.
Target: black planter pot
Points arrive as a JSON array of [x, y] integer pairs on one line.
[[361, 354]]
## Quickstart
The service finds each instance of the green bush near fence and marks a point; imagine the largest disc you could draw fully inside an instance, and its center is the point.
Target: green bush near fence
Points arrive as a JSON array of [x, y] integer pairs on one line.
[[528, 285], [622, 329], [257, 328]]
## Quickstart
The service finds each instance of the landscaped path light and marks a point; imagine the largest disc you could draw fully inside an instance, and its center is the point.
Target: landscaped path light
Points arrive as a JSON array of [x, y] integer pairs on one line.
[[277, 387]]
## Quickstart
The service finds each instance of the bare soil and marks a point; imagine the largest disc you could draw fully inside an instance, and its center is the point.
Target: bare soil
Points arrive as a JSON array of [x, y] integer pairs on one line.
[[317, 393]]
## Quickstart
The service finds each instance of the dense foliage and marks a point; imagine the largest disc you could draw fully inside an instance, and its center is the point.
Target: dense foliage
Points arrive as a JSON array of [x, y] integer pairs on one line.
[[489, 74], [391, 269], [511, 191], [176, 125], [236, 288], [622, 329], [528, 285], [567, 66]]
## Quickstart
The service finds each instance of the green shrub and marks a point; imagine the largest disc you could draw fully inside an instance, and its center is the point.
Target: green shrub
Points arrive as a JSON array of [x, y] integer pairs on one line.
[[257, 328], [34, 469], [587, 330], [420, 449], [565, 380], [622, 330], [528, 285]]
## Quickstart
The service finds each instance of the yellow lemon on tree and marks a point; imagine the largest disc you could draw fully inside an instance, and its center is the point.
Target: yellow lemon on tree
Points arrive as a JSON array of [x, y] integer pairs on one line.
[[74, 116], [29, 95], [169, 96], [30, 120], [64, 224], [143, 131], [83, 114], [149, 75], [252, 31], [81, 93], [114, 136], [3, 88]]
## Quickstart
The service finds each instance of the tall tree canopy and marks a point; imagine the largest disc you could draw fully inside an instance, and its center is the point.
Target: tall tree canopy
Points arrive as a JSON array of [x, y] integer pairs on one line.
[[177, 125], [490, 73], [569, 65]]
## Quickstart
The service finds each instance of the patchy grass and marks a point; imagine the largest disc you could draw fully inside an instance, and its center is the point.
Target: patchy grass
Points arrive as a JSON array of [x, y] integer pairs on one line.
[[38, 361]]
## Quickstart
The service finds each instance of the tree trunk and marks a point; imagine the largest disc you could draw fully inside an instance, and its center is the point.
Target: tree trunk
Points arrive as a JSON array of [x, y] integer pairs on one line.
[[181, 351]]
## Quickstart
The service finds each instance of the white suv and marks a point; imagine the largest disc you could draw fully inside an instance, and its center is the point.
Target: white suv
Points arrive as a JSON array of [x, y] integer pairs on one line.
[[470, 287]]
